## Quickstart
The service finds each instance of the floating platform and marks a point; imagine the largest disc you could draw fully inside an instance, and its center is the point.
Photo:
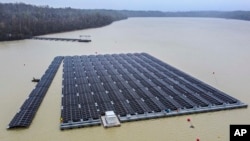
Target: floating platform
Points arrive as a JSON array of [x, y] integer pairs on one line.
[[110, 120], [62, 39], [29, 108], [135, 86]]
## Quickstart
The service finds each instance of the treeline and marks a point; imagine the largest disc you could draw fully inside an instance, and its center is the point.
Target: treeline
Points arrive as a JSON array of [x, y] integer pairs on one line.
[[240, 15], [19, 21], [129, 13]]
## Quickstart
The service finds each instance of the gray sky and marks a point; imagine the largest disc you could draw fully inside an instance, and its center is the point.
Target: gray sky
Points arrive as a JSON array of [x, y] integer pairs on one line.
[[161, 5]]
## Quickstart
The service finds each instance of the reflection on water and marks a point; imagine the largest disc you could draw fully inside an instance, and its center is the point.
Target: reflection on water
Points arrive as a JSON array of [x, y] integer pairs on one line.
[[195, 45]]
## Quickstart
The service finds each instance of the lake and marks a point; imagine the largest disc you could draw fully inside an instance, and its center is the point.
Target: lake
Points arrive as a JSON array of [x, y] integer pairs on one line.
[[197, 46]]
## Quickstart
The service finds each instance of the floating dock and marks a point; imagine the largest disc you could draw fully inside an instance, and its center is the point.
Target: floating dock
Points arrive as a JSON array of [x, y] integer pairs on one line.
[[134, 86], [29, 108], [62, 39]]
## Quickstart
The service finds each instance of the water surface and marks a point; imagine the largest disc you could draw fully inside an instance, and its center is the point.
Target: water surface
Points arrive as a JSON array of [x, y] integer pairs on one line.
[[198, 46]]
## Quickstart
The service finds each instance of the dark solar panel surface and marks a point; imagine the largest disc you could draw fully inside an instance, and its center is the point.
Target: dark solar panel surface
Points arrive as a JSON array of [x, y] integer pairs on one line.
[[135, 86], [29, 108], [131, 85]]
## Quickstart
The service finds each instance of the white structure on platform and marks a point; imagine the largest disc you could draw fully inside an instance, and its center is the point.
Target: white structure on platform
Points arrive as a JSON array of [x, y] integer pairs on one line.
[[110, 119]]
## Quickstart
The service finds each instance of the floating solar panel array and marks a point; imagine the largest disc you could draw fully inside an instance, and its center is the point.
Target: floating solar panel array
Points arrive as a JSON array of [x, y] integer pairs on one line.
[[29, 108], [135, 86]]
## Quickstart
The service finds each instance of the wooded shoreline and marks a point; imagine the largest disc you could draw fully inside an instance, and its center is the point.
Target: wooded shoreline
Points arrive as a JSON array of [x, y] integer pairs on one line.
[[21, 21]]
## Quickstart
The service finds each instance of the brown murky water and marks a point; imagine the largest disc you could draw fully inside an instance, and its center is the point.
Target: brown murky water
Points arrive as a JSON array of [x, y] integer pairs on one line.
[[198, 46]]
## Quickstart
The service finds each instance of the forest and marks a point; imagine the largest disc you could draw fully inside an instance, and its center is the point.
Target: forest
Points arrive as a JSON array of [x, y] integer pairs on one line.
[[20, 21]]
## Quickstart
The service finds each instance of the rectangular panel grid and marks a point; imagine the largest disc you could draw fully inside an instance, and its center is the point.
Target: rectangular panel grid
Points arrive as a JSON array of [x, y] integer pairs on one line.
[[29, 108], [135, 86]]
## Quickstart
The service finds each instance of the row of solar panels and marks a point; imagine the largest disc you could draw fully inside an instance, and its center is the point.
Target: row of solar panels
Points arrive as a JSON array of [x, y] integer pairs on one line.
[[90, 112], [29, 108], [137, 97], [99, 58], [156, 65], [184, 79], [147, 71], [148, 89]]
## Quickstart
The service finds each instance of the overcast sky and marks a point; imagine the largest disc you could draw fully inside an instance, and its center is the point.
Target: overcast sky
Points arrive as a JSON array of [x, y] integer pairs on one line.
[[161, 5]]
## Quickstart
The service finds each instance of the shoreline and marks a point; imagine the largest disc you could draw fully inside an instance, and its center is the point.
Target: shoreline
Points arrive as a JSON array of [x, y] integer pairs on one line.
[[28, 37]]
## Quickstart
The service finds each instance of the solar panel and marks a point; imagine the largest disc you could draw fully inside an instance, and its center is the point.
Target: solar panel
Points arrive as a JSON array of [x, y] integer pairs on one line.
[[136, 86], [29, 108]]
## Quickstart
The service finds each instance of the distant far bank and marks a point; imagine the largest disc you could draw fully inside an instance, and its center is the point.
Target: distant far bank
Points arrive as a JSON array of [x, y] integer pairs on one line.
[[240, 15], [20, 21]]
